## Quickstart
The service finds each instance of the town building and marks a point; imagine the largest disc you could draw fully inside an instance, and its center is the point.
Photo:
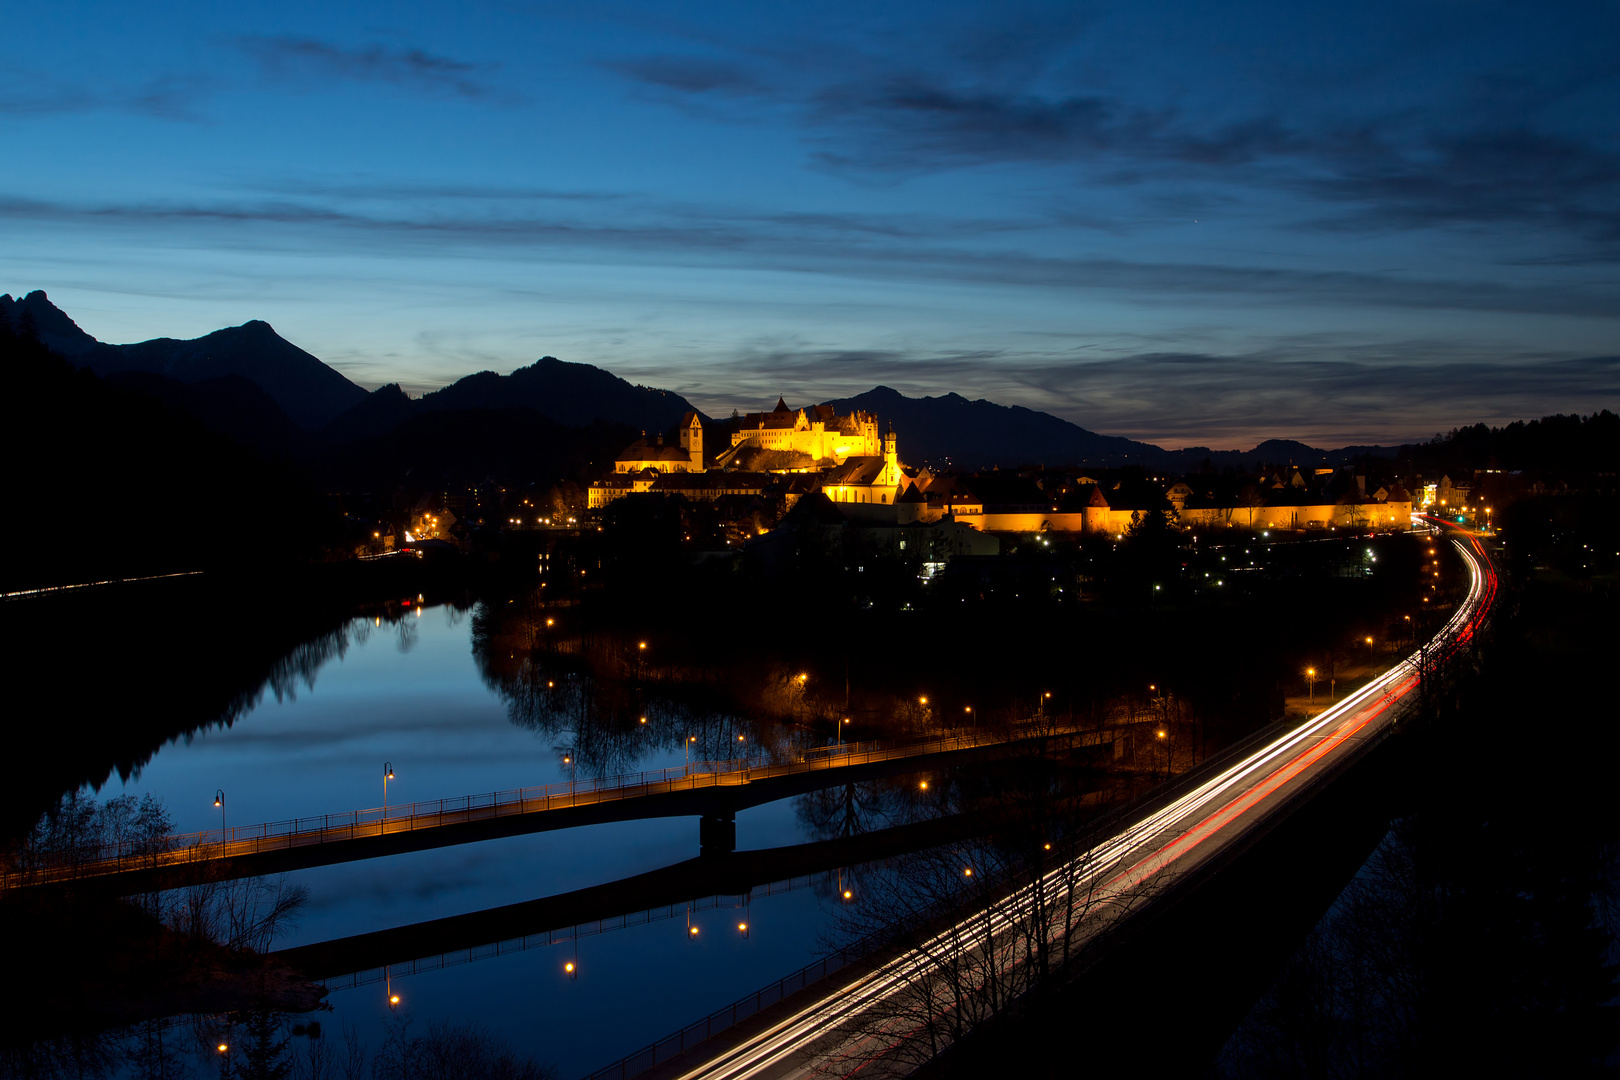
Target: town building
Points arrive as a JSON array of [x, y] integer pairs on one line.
[[642, 455]]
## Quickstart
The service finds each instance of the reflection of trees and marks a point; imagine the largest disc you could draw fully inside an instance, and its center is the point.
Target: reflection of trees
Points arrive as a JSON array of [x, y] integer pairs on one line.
[[838, 812]]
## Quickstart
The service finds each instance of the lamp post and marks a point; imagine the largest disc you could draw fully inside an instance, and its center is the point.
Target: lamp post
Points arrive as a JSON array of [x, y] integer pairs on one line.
[[686, 749], [219, 801], [1310, 684], [388, 774]]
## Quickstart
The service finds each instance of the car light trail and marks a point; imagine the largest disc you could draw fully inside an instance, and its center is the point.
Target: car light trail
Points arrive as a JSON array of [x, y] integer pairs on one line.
[[1164, 845]]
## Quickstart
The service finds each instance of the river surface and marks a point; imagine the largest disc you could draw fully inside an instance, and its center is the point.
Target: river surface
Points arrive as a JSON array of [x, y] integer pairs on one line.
[[410, 694]]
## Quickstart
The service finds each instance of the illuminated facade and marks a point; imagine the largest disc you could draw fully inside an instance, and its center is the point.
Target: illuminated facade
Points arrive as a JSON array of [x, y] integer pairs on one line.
[[642, 455], [808, 439], [867, 480]]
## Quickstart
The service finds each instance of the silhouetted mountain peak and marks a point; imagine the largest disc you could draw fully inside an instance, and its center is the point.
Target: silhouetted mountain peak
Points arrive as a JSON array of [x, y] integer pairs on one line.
[[59, 333]]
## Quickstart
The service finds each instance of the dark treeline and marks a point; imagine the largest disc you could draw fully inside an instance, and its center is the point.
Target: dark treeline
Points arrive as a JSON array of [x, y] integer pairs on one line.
[[1571, 446]]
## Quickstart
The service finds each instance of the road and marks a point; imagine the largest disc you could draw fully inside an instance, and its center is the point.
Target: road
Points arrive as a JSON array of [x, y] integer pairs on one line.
[[858, 1026]]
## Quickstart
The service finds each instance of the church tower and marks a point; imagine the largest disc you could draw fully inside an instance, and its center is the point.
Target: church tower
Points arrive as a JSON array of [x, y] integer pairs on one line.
[[692, 440]]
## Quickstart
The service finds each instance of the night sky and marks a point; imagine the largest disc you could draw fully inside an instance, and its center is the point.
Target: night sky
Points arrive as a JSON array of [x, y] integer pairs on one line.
[[1184, 223]]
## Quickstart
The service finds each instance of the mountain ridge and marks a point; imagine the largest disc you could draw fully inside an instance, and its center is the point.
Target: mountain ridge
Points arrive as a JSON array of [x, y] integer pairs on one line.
[[324, 409]]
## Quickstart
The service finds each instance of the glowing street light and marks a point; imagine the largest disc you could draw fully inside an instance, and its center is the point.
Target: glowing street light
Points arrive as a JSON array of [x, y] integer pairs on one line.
[[1310, 683], [219, 801], [388, 774]]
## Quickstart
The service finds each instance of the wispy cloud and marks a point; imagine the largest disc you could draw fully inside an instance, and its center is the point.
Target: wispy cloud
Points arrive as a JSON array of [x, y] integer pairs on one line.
[[302, 61], [1490, 157], [171, 96], [1329, 393], [914, 248]]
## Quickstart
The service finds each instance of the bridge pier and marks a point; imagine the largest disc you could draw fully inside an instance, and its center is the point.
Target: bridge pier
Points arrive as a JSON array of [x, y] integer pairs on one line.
[[717, 834]]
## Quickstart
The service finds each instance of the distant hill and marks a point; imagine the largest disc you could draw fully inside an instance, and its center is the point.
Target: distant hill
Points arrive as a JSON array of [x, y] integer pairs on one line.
[[307, 390], [574, 394], [979, 434]]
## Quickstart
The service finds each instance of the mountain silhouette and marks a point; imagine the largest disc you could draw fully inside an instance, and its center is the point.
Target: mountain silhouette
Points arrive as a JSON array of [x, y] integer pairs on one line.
[[567, 393], [307, 390], [951, 430], [978, 434]]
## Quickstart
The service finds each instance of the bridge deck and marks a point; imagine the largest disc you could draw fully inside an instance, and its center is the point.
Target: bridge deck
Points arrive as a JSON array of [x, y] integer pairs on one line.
[[658, 793]]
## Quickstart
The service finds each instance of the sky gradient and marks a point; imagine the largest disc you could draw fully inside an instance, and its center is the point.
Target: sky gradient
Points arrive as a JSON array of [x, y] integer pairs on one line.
[[1182, 223]]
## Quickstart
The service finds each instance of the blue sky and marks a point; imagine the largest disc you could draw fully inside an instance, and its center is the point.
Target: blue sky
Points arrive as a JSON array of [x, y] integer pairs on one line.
[[1184, 223]]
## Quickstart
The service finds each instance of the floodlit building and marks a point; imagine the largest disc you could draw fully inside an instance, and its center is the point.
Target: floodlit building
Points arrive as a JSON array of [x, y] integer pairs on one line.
[[801, 440], [642, 455]]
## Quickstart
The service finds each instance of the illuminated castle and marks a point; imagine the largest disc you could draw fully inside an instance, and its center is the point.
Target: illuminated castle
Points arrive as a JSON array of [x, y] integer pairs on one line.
[[803, 440]]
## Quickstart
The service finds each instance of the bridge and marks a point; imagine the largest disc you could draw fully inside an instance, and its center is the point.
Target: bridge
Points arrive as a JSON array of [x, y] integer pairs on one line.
[[712, 791]]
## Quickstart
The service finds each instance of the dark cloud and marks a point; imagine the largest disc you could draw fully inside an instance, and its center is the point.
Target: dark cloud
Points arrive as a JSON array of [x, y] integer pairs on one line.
[[1490, 156], [168, 97], [691, 75], [298, 60], [1480, 177]]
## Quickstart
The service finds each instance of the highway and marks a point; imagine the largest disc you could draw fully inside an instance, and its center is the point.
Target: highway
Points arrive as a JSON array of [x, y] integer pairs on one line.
[[863, 1025]]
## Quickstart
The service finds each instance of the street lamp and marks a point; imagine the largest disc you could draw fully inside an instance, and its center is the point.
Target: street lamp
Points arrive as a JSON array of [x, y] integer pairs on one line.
[[1310, 683], [686, 749], [219, 801], [388, 774]]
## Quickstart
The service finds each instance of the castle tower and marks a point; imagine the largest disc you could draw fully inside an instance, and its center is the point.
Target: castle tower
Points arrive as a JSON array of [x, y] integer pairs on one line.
[[692, 440]]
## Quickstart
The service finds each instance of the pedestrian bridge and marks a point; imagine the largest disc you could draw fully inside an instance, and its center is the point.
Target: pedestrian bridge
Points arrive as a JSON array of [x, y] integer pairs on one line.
[[711, 791]]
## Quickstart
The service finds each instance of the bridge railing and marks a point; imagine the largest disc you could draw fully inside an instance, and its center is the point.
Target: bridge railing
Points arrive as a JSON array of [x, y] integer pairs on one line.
[[240, 840]]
